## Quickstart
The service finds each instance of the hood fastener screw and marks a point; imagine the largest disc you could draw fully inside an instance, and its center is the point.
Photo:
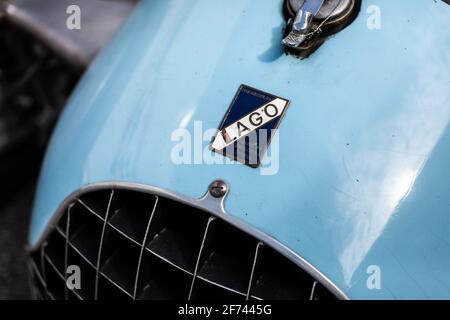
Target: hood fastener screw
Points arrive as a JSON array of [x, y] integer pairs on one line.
[[218, 188]]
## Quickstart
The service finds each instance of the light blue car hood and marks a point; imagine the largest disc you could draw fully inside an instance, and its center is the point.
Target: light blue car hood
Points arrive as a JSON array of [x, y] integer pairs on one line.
[[364, 162]]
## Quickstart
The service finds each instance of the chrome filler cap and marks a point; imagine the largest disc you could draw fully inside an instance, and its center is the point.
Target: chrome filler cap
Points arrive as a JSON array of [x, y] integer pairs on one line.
[[302, 23], [310, 22]]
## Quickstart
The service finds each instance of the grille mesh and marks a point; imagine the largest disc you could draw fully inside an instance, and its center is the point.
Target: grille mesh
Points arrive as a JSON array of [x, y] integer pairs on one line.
[[134, 245]]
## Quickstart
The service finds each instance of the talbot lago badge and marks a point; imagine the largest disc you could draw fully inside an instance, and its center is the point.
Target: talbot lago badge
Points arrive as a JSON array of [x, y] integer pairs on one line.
[[249, 124]]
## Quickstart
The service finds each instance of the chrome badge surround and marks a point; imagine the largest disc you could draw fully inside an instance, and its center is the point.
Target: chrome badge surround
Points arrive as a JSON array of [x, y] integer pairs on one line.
[[249, 124]]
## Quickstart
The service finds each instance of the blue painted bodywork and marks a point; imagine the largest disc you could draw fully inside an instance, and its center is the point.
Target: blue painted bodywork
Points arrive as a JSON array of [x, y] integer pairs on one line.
[[364, 166]]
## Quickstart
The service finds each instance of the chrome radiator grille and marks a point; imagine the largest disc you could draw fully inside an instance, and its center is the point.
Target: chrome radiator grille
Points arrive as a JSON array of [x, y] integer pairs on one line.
[[135, 245]]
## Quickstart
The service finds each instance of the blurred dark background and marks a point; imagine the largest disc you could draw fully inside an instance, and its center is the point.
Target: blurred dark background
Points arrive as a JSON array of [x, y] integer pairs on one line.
[[34, 85], [14, 218], [41, 61]]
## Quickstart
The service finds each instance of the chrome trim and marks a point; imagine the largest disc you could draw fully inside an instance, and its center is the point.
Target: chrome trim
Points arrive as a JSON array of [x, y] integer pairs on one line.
[[214, 206]]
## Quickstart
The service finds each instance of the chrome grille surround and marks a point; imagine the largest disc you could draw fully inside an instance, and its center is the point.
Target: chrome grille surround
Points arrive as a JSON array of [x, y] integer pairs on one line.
[[139, 242]]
